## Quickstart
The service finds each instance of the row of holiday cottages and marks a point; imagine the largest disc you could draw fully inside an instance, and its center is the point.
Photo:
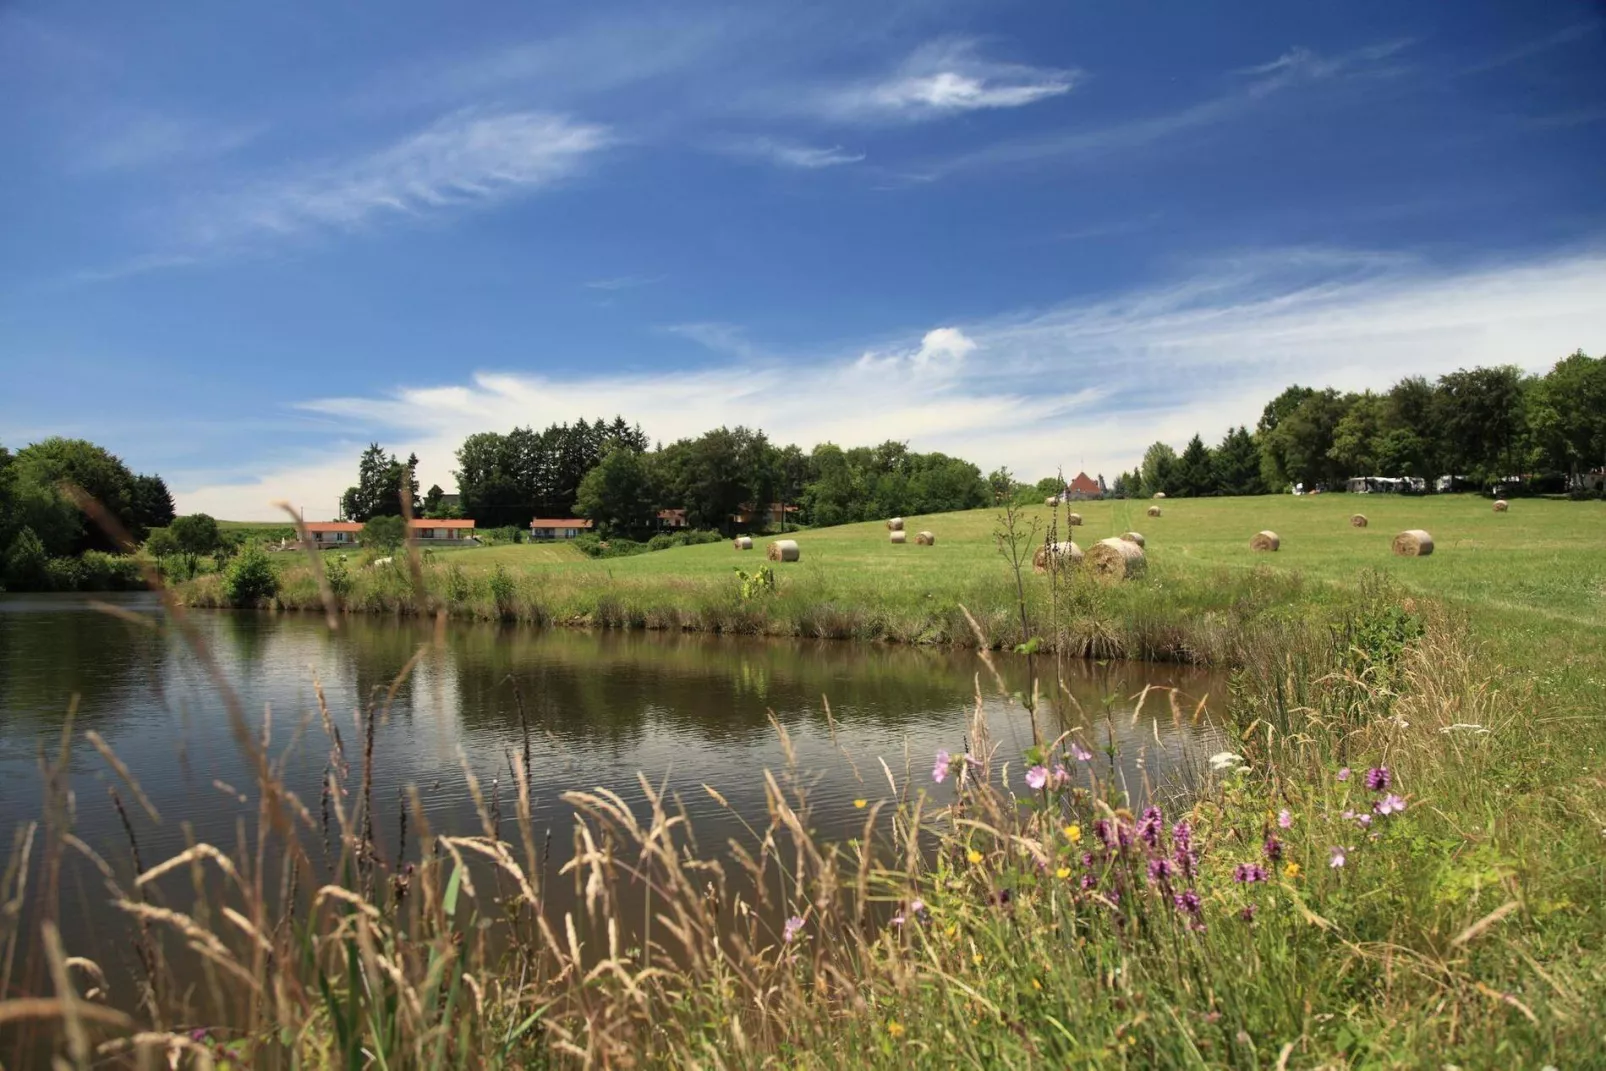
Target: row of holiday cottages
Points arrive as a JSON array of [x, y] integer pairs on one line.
[[333, 535]]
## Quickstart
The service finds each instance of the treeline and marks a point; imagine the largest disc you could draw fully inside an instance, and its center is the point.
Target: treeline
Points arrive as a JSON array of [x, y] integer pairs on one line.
[[608, 472], [1484, 424], [46, 541]]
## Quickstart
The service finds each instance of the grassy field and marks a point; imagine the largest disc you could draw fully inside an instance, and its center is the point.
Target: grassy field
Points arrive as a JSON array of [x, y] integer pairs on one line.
[[1401, 867]]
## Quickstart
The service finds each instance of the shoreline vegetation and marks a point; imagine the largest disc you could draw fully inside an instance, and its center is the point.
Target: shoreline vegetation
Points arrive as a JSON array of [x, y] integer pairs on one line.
[[1399, 863]]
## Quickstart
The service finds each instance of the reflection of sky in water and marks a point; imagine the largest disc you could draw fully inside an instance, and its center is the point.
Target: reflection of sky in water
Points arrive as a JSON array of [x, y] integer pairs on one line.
[[684, 710]]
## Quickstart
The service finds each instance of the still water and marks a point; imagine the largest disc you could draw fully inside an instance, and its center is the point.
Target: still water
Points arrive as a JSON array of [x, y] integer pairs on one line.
[[685, 710]]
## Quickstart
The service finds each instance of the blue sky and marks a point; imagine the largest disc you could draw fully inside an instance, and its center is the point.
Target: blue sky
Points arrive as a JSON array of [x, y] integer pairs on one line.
[[241, 241]]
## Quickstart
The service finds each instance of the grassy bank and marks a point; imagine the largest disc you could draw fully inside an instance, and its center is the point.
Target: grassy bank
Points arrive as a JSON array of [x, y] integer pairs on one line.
[[1295, 911]]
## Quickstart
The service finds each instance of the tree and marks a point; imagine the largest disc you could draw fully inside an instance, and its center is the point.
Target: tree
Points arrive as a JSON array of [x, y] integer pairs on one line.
[[1236, 464], [617, 494], [44, 466], [1193, 475], [384, 532], [161, 544], [1356, 435], [1158, 462], [792, 471], [1001, 483], [432, 499], [1567, 413], [153, 503], [1297, 447], [195, 535], [378, 492], [1480, 413], [25, 563]]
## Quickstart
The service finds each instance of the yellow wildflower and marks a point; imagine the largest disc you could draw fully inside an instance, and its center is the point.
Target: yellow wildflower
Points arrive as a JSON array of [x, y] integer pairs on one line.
[[1063, 872], [976, 959], [1291, 869], [950, 931], [1037, 985], [1073, 834], [974, 856], [895, 1028], [861, 804]]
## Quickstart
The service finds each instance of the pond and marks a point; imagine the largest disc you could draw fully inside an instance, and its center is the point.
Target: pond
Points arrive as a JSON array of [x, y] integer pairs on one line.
[[684, 710]]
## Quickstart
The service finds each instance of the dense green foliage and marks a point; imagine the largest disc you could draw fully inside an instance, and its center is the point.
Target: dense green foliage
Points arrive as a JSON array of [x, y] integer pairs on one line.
[[509, 479], [617, 493], [1486, 424], [384, 532], [380, 483], [250, 578], [37, 516]]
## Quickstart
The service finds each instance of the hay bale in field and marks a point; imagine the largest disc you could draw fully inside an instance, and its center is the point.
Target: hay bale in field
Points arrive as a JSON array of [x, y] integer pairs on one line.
[[1051, 502], [1134, 537], [898, 536], [1058, 555], [1159, 494], [1357, 520], [1154, 511], [925, 539], [742, 542], [1501, 505], [1116, 559], [1265, 541], [783, 550], [895, 524], [1414, 543], [1073, 519]]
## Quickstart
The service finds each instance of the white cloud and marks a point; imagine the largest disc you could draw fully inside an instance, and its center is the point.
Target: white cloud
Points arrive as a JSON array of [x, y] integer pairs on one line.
[[788, 154], [125, 139], [1084, 386], [462, 159], [941, 79]]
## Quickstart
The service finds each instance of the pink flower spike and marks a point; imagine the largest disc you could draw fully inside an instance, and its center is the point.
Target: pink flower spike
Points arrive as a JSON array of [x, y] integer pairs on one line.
[[939, 772], [1037, 777], [1285, 818], [1337, 858], [793, 926], [1343, 775]]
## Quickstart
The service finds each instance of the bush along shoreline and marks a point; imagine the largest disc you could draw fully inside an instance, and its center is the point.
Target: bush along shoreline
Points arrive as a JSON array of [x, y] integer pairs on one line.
[[1373, 875]]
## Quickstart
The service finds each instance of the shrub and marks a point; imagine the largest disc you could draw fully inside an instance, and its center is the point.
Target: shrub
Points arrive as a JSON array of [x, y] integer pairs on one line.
[[592, 547], [457, 586], [493, 537], [337, 570], [384, 533], [26, 563], [503, 590], [99, 571], [63, 574], [663, 541], [250, 579]]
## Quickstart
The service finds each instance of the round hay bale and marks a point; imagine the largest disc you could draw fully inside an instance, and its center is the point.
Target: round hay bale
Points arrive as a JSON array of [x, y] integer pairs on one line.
[[1265, 541], [1051, 502], [1357, 520], [742, 542], [1073, 519], [898, 536], [895, 524], [1112, 560], [1134, 537], [1159, 494], [1059, 555], [1501, 505], [1414, 543], [925, 539], [783, 550], [1154, 511]]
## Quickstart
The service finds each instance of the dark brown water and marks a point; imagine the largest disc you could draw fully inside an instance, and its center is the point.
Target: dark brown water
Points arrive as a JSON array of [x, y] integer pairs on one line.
[[685, 710]]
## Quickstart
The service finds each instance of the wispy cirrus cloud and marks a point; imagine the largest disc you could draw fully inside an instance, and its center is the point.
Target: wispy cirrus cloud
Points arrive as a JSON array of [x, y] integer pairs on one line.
[[1294, 68], [464, 159], [1529, 49], [941, 79], [793, 155], [1086, 385]]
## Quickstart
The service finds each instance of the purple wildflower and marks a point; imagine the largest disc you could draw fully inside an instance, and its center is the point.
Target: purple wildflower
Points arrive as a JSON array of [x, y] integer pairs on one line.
[[939, 772], [1182, 835], [1149, 827], [1343, 775], [1080, 753], [1273, 849], [1101, 830], [898, 919], [1062, 776], [1089, 881], [1388, 805], [1036, 777], [1087, 860], [1363, 820], [1187, 900], [1182, 849], [1248, 913], [1377, 778], [1249, 873], [794, 925], [1123, 834], [198, 1034], [1285, 818], [1337, 857], [1160, 870], [917, 907]]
